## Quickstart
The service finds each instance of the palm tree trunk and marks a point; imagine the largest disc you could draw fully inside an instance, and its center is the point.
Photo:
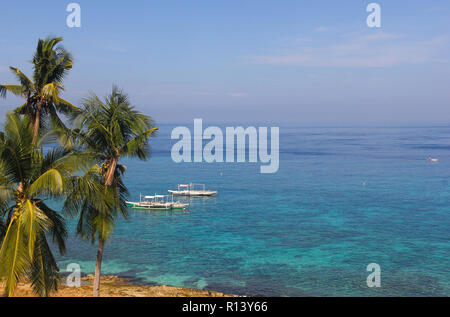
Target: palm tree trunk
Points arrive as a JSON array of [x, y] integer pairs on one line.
[[110, 172], [36, 123], [98, 267]]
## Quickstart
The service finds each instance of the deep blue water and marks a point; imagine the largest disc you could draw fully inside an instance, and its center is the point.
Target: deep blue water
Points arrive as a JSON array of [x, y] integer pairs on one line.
[[342, 198]]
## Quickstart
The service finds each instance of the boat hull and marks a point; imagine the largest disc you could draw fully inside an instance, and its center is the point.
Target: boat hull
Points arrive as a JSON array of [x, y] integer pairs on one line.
[[193, 192], [156, 207]]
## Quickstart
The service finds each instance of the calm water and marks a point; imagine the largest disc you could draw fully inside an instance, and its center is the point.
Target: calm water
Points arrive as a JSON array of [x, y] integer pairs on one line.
[[343, 198]]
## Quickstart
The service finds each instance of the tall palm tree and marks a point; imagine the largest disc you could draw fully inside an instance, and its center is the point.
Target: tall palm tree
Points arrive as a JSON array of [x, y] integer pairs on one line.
[[109, 130], [51, 63], [28, 178]]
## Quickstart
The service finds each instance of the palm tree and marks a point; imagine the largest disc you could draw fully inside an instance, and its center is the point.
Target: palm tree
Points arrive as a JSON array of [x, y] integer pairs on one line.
[[51, 63], [109, 130], [28, 178]]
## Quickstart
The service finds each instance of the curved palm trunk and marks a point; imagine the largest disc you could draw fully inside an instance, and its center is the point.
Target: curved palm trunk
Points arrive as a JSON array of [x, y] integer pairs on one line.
[[109, 178], [98, 267], [110, 172], [111, 169], [36, 123]]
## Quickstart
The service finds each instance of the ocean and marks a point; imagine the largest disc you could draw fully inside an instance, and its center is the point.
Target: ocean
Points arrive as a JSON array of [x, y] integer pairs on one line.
[[343, 198]]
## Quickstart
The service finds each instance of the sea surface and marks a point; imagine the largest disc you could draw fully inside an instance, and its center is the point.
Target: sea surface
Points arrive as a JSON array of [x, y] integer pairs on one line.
[[343, 198]]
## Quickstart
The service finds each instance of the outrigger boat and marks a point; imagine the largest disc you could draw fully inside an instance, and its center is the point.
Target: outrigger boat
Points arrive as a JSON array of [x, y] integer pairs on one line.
[[157, 202], [192, 190]]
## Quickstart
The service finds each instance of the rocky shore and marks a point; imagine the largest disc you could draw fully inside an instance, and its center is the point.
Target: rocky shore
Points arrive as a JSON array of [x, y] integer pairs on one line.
[[113, 286]]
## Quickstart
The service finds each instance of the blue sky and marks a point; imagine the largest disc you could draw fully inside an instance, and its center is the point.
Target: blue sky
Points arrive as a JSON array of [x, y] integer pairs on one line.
[[305, 62]]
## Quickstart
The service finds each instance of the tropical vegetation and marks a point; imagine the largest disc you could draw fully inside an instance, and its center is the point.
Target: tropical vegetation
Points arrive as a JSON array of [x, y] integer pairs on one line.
[[84, 176], [51, 64], [28, 178], [109, 130]]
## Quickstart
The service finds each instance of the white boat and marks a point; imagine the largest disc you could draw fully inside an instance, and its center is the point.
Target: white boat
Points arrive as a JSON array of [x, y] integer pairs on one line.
[[192, 190], [433, 160], [157, 202]]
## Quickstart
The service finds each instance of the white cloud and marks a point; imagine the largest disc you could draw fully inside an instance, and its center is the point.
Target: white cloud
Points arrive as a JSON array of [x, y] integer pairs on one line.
[[372, 50]]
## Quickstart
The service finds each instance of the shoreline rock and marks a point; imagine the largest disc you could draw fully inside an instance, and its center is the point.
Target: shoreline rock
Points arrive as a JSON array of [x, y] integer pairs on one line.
[[113, 286]]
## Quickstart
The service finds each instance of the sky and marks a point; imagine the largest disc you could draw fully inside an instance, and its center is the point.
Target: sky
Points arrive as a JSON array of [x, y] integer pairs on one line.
[[254, 61]]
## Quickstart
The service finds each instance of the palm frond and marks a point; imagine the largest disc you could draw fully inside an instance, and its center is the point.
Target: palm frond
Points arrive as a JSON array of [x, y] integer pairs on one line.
[[49, 183], [23, 109], [26, 84], [45, 59], [43, 272], [16, 149], [138, 146], [66, 107], [16, 90], [14, 258], [57, 228], [85, 189], [51, 91], [33, 221]]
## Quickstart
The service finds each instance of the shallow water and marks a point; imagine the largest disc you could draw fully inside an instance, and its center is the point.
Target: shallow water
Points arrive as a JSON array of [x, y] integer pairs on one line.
[[343, 198]]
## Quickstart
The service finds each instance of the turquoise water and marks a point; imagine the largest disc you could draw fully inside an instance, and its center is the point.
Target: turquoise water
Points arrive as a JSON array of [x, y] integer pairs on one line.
[[343, 198]]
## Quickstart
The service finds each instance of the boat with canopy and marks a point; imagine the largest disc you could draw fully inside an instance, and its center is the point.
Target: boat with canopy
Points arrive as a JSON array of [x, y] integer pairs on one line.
[[192, 190], [157, 202]]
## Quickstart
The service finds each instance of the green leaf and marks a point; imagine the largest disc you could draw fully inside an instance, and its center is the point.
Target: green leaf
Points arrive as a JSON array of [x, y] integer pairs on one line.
[[16, 90], [50, 182], [34, 221], [51, 91], [66, 107], [25, 83], [44, 271], [14, 259]]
